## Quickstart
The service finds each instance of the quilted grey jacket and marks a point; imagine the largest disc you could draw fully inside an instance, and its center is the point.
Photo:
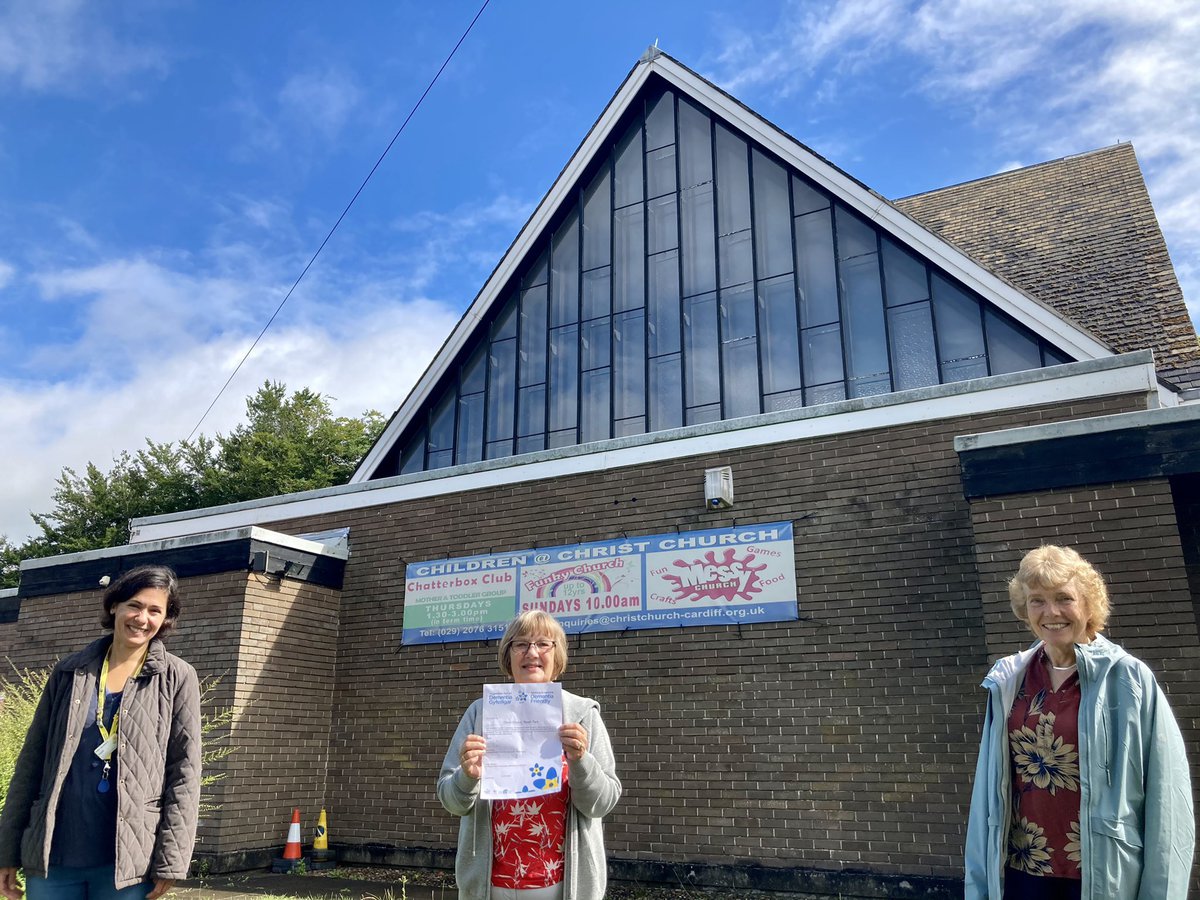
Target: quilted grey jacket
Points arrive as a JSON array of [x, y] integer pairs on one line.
[[158, 793]]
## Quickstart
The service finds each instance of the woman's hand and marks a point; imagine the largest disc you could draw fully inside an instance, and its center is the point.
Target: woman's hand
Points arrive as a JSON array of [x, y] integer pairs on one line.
[[471, 758], [161, 886], [8, 883], [574, 739]]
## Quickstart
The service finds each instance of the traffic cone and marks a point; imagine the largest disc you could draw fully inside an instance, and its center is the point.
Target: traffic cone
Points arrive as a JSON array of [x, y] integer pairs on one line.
[[292, 857], [322, 857]]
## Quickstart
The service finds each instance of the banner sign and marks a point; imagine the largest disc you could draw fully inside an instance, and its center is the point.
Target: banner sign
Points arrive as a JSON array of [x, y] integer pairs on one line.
[[715, 577]]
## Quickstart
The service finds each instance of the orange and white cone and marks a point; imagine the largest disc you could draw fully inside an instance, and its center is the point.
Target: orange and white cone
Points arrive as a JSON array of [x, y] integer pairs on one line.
[[291, 850]]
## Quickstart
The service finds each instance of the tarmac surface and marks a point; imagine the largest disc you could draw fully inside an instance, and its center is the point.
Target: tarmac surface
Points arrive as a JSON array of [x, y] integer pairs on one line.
[[247, 885]]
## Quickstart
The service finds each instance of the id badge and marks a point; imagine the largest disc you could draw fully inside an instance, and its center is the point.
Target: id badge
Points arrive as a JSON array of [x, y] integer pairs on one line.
[[105, 750]]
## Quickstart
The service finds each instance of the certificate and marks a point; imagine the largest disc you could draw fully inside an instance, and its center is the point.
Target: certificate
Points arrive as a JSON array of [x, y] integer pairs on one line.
[[524, 754]]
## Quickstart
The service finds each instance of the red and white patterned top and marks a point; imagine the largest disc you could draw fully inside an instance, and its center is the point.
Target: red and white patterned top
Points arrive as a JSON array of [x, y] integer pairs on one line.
[[527, 839]]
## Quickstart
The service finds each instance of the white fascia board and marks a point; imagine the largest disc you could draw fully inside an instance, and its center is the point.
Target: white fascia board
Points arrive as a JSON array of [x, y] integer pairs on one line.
[[1129, 374], [191, 539], [524, 243], [1027, 310], [1028, 434]]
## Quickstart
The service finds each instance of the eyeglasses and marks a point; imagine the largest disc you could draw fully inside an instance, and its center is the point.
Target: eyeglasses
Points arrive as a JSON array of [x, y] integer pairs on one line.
[[539, 646]]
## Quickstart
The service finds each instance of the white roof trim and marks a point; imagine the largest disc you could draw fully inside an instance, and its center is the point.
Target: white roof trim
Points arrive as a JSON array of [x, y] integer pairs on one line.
[[1129, 374], [1022, 307]]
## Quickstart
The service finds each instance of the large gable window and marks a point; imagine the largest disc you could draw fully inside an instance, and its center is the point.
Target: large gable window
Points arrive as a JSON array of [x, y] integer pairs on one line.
[[693, 277]]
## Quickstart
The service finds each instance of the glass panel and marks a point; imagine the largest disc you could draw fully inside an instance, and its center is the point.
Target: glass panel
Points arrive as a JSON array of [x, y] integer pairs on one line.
[[629, 262], [914, 356], [663, 312], [595, 416], [531, 411], [533, 336], [506, 322], [697, 244], [964, 369], [502, 381], [698, 415], [772, 218], [539, 273], [597, 222], [666, 393], [564, 273], [562, 438], [806, 198], [564, 377], [959, 329], [474, 372], [701, 359], [739, 363], [785, 400], [499, 449], [904, 275], [626, 427], [733, 183], [822, 355], [413, 458], [1052, 356], [736, 259], [441, 431], [596, 289], [597, 336], [854, 236], [1011, 348], [629, 364], [814, 270], [866, 335], [627, 170], [440, 460], [532, 443], [825, 393], [470, 429], [660, 121], [695, 146], [660, 171], [779, 336], [737, 313], [664, 224]]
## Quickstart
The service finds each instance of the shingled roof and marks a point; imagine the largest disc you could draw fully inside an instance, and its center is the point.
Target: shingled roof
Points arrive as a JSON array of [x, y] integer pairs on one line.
[[1079, 234]]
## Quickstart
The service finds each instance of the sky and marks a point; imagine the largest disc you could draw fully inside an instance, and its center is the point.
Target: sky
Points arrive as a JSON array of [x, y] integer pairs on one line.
[[168, 167]]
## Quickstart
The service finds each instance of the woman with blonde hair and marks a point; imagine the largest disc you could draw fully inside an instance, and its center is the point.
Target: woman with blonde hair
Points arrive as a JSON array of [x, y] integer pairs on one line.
[[1082, 786], [552, 849]]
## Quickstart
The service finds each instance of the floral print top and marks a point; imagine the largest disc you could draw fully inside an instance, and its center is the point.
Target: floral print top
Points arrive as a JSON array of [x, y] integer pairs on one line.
[[1043, 740], [527, 838]]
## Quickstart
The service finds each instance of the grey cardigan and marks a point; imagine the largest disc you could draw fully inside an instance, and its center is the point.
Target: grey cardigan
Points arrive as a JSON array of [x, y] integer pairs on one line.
[[158, 794], [595, 790]]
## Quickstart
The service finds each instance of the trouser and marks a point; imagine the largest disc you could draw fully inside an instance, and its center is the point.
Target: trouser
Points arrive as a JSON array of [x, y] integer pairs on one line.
[[554, 892], [70, 883], [1021, 886]]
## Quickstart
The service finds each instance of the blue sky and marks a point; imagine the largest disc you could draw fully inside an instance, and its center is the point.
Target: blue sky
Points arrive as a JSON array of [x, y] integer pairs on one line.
[[167, 168]]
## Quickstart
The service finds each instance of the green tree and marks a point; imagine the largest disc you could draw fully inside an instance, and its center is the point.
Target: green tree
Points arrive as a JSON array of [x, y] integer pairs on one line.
[[288, 443]]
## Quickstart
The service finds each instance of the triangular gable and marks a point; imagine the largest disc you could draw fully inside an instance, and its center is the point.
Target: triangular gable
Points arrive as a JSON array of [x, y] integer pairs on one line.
[[1018, 306]]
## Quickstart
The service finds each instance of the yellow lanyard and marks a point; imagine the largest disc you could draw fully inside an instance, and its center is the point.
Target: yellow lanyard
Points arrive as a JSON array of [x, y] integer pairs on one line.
[[110, 734]]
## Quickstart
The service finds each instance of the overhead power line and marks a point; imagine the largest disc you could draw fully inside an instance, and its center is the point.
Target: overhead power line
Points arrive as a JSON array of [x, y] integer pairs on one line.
[[313, 259]]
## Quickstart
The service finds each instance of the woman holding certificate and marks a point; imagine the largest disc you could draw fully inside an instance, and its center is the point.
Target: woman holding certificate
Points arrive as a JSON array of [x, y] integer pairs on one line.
[[546, 848], [104, 797]]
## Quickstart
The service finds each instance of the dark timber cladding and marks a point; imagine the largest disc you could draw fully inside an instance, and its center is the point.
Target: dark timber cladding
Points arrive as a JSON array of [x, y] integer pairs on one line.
[[188, 561], [1046, 463]]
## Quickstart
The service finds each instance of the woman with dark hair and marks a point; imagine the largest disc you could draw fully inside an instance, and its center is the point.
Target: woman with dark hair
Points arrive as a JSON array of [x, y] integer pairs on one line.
[[1082, 786], [105, 795], [551, 848]]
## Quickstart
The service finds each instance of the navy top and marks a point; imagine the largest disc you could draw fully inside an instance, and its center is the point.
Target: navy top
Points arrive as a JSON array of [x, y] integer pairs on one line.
[[85, 833]]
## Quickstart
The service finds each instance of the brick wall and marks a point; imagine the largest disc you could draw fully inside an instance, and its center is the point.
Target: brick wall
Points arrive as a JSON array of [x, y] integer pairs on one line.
[[844, 740]]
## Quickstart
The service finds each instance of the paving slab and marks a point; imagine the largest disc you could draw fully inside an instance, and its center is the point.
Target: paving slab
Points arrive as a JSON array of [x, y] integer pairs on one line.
[[248, 885]]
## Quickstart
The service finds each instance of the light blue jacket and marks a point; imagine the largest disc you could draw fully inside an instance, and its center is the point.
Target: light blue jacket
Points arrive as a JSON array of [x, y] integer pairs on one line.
[[1135, 793]]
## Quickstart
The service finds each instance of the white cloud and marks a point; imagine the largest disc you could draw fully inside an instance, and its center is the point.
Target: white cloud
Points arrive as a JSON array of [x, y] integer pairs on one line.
[[321, 100], [1049, 79], [68, 45], [6, 274]]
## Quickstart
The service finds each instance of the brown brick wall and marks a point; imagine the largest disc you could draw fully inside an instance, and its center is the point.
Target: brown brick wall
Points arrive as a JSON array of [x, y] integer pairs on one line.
[[844, 740]]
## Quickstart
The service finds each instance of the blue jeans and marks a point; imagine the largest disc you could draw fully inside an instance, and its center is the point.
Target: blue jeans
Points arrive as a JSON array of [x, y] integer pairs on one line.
[[69, 883]]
